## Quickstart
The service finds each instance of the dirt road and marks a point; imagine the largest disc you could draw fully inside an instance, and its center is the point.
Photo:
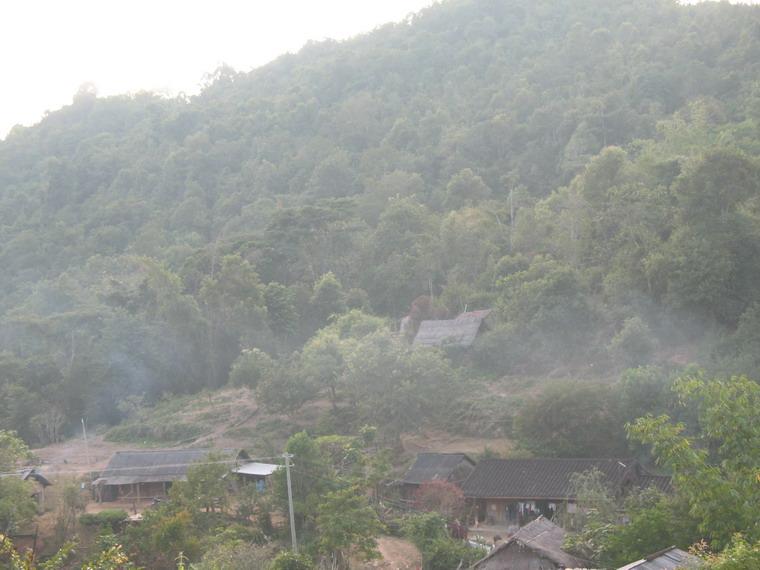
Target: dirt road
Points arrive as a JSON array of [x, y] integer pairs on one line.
[[397, 554]]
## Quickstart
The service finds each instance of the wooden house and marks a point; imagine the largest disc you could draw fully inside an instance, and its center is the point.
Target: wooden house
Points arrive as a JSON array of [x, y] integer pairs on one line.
[[536, 546], [136, 475], [449, 467], [516, 491], [458, 332]]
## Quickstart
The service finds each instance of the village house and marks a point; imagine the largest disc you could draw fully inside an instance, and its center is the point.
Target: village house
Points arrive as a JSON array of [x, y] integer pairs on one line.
[[516, 491], [458, 332], [669, 559], [136, 475], [449, 467], [536, 546]]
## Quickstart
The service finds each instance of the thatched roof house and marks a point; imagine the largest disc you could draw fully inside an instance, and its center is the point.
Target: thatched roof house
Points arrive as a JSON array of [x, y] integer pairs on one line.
[[536, 545], [460, 331], [669, 559], [149, 473]]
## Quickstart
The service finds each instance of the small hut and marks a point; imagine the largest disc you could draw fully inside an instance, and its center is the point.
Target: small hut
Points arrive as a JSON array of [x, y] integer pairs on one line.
[[256, 473], [39, 481]]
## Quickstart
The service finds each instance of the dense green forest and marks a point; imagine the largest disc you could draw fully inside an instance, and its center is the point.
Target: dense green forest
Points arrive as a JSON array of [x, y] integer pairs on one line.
[[587, 169]]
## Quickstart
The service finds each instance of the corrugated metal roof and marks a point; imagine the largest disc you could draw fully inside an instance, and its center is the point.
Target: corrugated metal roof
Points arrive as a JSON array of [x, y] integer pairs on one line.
[[541, 536], [669, 559], [438, 466], [155, 466], [461, 331], [538, 478], [257, 469]]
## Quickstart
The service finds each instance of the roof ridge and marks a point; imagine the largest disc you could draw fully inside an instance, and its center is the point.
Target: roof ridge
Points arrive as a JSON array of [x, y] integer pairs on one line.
[[171, 450], [618, 459], [660, 553]]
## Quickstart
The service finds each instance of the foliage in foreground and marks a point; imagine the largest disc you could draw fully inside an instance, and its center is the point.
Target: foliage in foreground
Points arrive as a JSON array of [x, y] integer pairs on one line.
[[439, 552], [715, 478], [715, 471]]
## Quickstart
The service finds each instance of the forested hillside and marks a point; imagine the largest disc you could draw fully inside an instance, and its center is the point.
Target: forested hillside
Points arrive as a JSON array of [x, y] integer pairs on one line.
[[588, 169]]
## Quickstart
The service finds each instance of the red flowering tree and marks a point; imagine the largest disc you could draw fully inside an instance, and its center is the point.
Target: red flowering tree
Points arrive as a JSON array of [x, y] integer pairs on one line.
[[441, 497]]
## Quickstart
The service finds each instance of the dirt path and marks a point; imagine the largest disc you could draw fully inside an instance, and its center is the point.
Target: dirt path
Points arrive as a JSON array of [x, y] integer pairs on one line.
[[397, 554]]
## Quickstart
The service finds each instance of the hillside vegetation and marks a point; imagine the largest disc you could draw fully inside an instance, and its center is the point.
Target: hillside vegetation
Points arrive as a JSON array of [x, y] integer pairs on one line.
[[587, 169], [232, 269]]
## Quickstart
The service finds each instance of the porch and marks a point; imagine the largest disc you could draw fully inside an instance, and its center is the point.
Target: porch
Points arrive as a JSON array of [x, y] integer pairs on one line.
[[516, 512]]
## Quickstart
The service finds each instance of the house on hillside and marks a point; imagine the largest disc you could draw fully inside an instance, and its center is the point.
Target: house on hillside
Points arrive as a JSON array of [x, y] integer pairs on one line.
[[536, 546], [459, 332], [449, 467], [669, 559], [136, 475], [255, 473], [516, 491]]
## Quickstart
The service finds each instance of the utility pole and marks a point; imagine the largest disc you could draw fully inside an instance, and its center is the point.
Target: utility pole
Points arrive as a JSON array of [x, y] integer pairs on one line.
[[511, 216], [288, 457], [86, 445]]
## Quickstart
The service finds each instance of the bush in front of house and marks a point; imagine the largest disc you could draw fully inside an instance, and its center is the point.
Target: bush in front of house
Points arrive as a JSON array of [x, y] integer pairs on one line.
[[113, 518]]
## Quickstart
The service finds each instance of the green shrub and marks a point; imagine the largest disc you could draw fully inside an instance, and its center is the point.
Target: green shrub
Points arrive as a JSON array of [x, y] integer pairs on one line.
[[113, 518], [176, 432], [167, 432], [129, 432], [445, 554], [287, 560]]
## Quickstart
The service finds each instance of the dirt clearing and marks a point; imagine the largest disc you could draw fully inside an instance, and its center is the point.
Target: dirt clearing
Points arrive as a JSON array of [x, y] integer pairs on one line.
[[442, 442], [397, 554]]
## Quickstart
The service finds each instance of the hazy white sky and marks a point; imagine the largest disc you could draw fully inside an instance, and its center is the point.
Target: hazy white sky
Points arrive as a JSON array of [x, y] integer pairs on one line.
[[48, 48]]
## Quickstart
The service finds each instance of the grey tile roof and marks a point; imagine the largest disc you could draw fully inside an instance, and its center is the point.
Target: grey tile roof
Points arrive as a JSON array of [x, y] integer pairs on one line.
[[542, 537], [660, 482], [540, 478], [155, 466], [669, 559], [452, 467]]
